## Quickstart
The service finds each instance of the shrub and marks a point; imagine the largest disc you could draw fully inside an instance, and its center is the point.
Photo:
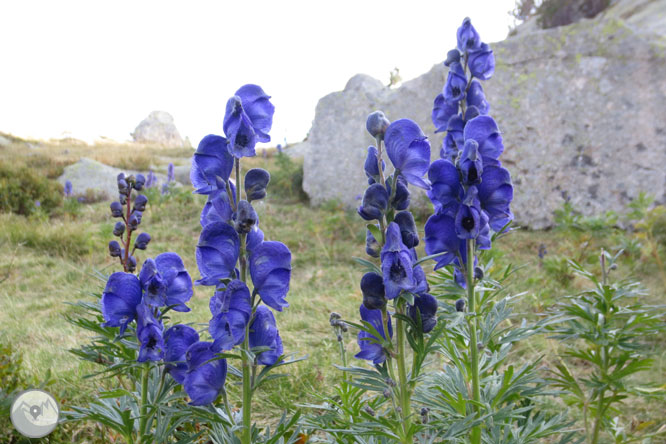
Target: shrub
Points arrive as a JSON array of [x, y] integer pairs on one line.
[[287, 179], [22, 191]]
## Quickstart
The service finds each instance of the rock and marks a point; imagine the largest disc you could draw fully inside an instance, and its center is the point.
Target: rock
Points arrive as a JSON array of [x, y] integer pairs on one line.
[[89, 174], [580, 107], [182, 173], [158, 128], [4, 141]]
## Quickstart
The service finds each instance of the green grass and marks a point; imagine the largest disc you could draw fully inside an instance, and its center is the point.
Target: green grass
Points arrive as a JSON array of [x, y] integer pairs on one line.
[[47, 263]]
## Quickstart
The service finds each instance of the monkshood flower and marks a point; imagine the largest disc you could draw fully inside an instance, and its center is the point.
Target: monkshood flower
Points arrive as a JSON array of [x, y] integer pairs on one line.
[[409, 151], [140, 203], [210, 163], [426, 306], [142, 240], [451, 57], [270, 269], [114, 249], [372, 287], [455, 129], [477, 98], [217, 253], [134, 220], [371, 350], [372, 247], [166, 282], [119, 300], [495, 195], [67, 190], [247, 120], [467, 37], [396, 263], [149, 333], [245, 217], [481, 62], [219, 207], [456, 83], [375, 202], [231, 308], [376, 124], [441, 237], [139, 182], [116, 209], [205, 377], [401, 197], [371, 166], [118, 229], [256, 181], [177, 339], [264, 333], [442, 111], [171, 176], [469, 216], [446, 191], [405, 221], [484, 130], [470, 164]]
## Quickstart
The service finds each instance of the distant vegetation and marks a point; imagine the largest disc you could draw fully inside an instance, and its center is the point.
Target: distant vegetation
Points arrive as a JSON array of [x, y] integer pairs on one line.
[[553, 13]]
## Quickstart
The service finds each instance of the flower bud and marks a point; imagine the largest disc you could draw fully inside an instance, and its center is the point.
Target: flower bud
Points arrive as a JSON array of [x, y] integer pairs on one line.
[[256, 181], [142, 241], [122, 198], [390, 382], [116, 209], [375, 201], [245, 217], [376, 124], [451, 57], [114, 248], [372, 287], [131, 265], [119, 229], [367, 409], [478, 273], [120, 177], [460, 305], [405, 221], [123, 187], [140, 202], [139, 182], [372, 247], [134, 220], [387, 393], [339, 337]]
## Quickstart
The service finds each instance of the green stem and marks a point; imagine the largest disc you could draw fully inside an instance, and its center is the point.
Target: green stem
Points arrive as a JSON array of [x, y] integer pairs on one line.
[[143, 408], [405, 404], [475, 435]]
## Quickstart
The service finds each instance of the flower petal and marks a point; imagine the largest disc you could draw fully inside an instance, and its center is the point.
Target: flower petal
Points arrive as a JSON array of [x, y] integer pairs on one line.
[[210, 161], [119, 300], [270, 268], [217, 253], [409, 150]]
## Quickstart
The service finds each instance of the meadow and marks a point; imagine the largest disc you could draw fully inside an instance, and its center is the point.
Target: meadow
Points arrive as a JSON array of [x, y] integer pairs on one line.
[[49, 260]]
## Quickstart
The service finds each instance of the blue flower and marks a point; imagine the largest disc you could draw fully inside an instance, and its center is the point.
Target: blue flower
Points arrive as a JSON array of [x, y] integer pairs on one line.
[[139, 182], [177, 339], [211, 162], [442, 111], [477, 98], [409, 151], [165, 281], [441, 237], [270, 268], [114, 249], [119, 300], [482, 62], [405, 221], [256, 181], [140, 202], [375, 202], [401, 198], [370, 350], [467, 37], [254, 238], [470, 164], [456, 83], [371, 165], [376, 124], [218, 207], [217, 253], [264, 333], [484, 130], [116, 209], [455, 129], [468, 217], [118, 229], [142, 241], [245, 217], [447, 191], [496, 194], [396, 263], [170, 173], [248, 119], [149, 333], [372, 287], [231, 309], [205, 377], [449, 150], [134, 220], [372, 247], [68, 189], [426, 305]]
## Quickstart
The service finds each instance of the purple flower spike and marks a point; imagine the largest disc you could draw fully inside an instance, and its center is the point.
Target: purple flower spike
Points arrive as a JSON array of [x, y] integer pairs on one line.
[[121, 296], [210, 162], [264, 333], [396, 263], [204, 380], [177, 339], [482, 62], [373, 351], [468, 38], [231, 309], [217, 253], [409, 151], [270, 268]]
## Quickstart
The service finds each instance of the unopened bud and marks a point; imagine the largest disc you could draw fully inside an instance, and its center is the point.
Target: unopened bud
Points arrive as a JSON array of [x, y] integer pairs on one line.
[[478, 273], [139, 182], [369, 410], [452, 56], [387, 393], [140, 202], [131, 266], [114, 249], [119, 229], [116, 209], [376, 124], [460, 305]]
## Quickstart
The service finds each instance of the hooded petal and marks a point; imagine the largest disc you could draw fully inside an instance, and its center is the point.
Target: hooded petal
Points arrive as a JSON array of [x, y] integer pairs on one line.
[[231, 309], [484, 130], [372, 287], [270, 268], [154, 287], [119, 300], [442, 111], [264, 333], [256, 181], [477, 98], [456, 83], [152, 343], [426, 305], [441, 237], [177, 339], [239, 130], [178, 281], [396, 263], [446, 191], [467, 37], [210, 161], [375, 201], [204, 380], [496, 194], [372, 351], [482, 62], [409, 151], [217, 252], [371, 165], [258, 108], [405, 221]]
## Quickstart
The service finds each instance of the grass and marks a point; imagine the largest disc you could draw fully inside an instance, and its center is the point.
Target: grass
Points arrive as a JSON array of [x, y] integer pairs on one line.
[[47, 263]]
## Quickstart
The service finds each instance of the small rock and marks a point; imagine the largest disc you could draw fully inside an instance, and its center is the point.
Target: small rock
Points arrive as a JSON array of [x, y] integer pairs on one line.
[[158, 128]]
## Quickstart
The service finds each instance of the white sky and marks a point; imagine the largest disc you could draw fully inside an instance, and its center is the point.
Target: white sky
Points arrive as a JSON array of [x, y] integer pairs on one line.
[[97, 68]]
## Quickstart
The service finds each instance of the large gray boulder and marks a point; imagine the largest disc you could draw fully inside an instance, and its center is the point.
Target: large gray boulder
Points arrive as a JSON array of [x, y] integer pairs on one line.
[[159, 129], [581, 109], [88, 174]]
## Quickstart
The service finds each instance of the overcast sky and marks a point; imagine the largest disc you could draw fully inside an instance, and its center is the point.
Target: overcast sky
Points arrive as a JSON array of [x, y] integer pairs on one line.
[[90, 68]]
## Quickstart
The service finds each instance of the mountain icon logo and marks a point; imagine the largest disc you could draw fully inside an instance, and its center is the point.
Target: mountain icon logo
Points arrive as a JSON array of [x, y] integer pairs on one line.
[[35, 413]]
